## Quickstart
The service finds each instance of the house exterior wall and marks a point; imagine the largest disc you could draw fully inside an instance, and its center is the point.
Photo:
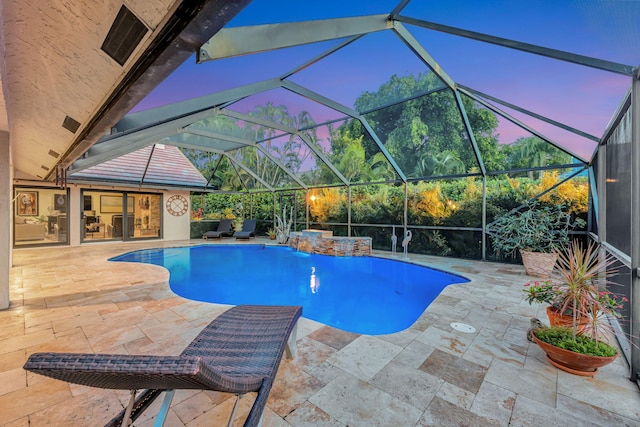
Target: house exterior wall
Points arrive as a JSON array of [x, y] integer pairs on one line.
[[5, 218], [174, 227]]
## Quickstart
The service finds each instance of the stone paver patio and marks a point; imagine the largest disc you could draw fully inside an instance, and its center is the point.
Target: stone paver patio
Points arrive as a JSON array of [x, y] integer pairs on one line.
[[73, 299]]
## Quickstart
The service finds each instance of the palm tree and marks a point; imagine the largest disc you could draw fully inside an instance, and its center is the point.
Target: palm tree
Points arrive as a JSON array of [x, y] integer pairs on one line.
[[533, 152], [438, 164]]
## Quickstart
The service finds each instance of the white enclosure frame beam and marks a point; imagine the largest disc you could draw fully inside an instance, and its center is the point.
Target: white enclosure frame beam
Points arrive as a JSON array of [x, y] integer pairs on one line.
[[635, 227], [587, 61], [420, 51], [231, 42]]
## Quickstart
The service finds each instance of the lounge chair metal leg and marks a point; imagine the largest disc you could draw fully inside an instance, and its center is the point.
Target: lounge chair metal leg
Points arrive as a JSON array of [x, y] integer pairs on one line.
[[235, 408], [126, 420], [164, 409], [291, 342]]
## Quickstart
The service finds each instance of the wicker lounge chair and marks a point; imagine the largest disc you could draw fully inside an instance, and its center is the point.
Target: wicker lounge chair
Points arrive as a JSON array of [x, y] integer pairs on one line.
[[239, 352], [248, 229], [224, 230]]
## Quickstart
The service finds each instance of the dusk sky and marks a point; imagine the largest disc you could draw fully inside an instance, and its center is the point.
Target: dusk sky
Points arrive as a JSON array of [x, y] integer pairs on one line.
[[578, 96]]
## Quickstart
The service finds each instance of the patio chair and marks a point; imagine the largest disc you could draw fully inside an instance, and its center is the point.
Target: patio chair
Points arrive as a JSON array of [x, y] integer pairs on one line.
[[238, 352], [225, 229], [248, 229]]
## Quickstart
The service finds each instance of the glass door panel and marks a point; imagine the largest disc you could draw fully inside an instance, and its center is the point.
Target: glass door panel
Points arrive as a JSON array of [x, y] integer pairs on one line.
[[40, 216], [146, 212]]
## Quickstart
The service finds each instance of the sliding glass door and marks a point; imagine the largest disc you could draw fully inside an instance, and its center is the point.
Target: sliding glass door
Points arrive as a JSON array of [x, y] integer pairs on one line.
[[40, 216], [104, 217]]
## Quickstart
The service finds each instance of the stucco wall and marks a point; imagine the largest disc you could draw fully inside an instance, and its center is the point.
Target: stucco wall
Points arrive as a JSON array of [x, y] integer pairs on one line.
[[5, 218]]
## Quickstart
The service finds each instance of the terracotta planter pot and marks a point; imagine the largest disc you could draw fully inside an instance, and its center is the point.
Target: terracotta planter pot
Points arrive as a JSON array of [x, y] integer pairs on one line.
[[572, 362], [538, 264], [558, 319]]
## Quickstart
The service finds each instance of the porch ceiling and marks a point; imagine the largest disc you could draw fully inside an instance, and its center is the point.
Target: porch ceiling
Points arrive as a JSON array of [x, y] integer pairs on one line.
[[52, 69]]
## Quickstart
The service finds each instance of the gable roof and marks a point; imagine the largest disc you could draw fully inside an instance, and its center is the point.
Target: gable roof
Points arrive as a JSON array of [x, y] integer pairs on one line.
[[155, 164]]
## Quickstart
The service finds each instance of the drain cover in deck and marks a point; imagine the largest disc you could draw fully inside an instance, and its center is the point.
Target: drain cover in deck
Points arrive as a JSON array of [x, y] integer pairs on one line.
[[462, 327]]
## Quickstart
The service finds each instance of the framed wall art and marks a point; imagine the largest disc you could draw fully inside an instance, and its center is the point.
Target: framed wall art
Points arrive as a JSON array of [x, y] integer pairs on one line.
[[27, 203]]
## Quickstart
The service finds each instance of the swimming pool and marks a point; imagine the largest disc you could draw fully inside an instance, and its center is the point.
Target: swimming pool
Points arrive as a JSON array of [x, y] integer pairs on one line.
[[365, 295]]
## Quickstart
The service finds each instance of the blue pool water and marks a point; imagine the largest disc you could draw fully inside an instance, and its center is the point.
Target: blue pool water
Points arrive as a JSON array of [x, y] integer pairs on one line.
[[364, 295]]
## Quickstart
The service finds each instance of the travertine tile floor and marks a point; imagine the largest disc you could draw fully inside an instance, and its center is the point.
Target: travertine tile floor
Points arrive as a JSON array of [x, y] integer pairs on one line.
[[73, 299]]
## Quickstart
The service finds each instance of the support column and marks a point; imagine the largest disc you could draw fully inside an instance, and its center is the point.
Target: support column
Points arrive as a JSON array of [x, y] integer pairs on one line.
[[635, 226], [6, 171], [349, 212], [484, 217], [306, 203], [406, 205]]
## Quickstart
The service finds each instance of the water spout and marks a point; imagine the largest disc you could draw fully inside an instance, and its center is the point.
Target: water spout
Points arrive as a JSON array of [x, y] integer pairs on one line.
[[348, 247]]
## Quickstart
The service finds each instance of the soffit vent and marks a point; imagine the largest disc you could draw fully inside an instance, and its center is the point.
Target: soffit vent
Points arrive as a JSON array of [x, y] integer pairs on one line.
[[44, 167], [124, 35], [54, 154], [70, 124]]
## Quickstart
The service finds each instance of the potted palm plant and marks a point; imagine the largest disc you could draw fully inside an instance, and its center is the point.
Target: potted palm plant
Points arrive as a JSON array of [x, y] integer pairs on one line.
[[272, 233], [536, 234], [578, 345]]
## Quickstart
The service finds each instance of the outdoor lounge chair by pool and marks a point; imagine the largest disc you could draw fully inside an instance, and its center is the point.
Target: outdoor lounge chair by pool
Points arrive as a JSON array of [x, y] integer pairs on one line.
[[224, 229], [238, 352], [248, 229]]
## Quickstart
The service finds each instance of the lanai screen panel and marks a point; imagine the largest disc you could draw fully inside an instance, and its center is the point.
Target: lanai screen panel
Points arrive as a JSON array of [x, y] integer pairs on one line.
[[205, 161], [329, 205], [566, 92], [224, 126], [426, 136], [354, 153], [445, 202], [195, 80], [377, 204], [299, 158], [602, 29], [264, 168], [504, 145], [618, 186], [364, 75], [285, 108], [229, 176], [570, 141], [566, 187]]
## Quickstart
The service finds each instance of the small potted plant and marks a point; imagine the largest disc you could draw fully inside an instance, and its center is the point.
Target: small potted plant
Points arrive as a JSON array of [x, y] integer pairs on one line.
[[535, 233], [271, 233], [576, 345]]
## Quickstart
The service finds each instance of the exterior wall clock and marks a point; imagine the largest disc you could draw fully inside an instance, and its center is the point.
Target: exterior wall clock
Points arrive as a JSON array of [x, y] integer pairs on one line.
[[177, 205]]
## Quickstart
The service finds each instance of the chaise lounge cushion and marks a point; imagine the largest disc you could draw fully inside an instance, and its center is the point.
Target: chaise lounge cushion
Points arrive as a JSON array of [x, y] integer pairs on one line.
[[248, 229], [224, 229]]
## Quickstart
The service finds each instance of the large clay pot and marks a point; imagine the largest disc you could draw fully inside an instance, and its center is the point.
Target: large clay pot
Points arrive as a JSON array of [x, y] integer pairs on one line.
[[558, 319], [572, 362], [538, 264]]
